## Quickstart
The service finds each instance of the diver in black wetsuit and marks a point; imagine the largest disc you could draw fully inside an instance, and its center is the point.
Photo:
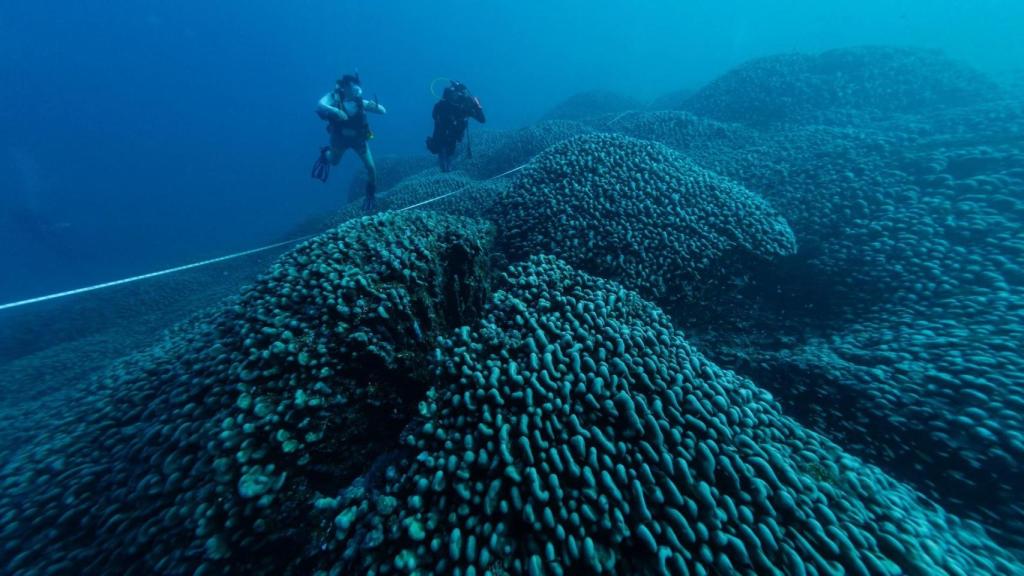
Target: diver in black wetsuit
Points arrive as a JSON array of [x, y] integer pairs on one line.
[[345, 110], [451, 115]]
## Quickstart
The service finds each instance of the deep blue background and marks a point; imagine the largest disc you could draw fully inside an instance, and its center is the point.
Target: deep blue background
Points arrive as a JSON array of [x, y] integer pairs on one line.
[[147, 133]]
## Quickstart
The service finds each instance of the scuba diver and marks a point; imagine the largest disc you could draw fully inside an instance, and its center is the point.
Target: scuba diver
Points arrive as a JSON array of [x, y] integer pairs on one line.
[[451, 114], [345, 110]]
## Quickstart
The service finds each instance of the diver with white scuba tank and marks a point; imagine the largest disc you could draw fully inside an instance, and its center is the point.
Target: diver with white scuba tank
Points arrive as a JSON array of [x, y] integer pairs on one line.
[[345, 111]]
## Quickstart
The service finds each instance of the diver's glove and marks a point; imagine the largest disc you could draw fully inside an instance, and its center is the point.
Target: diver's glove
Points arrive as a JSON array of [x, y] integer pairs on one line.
[[322, 168]]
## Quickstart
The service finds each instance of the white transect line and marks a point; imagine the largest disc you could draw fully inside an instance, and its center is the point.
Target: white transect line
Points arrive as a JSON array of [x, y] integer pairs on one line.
[[221, 258], [457, 190], [617, 118], [150, 275]]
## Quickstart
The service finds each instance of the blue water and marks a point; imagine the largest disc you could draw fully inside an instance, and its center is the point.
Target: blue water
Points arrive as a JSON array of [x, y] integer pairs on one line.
[[139, 135]]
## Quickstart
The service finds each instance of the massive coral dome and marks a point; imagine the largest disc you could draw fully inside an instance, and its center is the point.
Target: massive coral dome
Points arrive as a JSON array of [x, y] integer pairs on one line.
[[208, 453], [574, 431], [639, 213], [801, 87]]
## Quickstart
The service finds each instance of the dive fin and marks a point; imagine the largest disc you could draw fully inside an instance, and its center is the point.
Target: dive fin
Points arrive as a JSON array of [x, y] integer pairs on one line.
[[322, 168]]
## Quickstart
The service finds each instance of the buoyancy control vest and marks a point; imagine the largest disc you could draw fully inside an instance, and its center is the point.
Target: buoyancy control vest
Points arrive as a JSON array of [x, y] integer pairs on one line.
[[355, 126]]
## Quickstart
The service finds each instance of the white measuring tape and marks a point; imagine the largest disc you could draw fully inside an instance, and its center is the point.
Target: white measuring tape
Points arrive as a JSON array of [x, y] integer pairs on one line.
[[456, 191], [151, 274], [221, 258], [617, 118]]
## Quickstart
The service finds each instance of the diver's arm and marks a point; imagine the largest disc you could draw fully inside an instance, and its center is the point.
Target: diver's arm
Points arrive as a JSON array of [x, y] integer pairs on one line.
[[478, 112], [375, 107], [325, 110]]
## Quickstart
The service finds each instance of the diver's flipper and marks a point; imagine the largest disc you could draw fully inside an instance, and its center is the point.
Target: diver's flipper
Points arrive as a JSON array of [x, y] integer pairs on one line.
[[370, 203], [322, 168]]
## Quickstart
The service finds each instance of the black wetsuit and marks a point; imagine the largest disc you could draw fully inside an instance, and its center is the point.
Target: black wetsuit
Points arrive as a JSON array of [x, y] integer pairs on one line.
[[451, 118]]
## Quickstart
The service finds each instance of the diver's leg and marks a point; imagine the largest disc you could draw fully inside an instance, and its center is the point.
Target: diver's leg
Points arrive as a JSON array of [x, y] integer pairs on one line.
[[371, 176], [371, 168], [449, 156], [337, 150], [334, 154], [442, 159]]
